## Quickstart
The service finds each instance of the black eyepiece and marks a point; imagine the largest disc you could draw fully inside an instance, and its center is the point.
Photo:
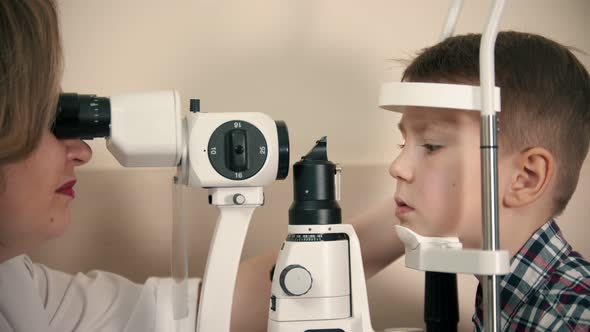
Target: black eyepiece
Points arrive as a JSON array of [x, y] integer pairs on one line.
[[314, 189], [82, 116]]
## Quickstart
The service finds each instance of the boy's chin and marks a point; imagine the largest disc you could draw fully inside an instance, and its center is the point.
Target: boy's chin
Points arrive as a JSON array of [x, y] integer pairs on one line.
[[407, 224], [426, 232], [412, 226]]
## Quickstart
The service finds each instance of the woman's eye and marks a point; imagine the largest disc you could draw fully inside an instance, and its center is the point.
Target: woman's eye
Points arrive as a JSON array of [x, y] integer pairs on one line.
[[431, 147], [401, 146]]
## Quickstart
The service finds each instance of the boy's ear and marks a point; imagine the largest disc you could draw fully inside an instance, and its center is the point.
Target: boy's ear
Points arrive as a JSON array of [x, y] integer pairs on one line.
[[532, 172]]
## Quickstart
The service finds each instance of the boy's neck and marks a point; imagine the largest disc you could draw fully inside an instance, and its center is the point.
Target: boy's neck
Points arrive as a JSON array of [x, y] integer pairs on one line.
[[516, 230], [518, 227]]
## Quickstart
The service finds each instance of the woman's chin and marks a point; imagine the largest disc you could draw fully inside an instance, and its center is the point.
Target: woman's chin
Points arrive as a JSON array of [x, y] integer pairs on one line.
[[57, 225]]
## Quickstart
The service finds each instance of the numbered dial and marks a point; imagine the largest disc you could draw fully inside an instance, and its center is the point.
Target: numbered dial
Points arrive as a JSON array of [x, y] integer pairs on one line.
[[237, 150], [295, 280]]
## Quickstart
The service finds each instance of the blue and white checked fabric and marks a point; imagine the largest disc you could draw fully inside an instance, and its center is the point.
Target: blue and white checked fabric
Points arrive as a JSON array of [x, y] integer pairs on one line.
[[547, 289]]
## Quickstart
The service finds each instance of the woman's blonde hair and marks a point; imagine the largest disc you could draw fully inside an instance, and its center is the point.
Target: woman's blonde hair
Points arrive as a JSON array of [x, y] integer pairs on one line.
[[30, 75]]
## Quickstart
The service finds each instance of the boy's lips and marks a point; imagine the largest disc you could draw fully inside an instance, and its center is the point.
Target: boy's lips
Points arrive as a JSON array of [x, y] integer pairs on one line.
[[402, 207], [67, 189]]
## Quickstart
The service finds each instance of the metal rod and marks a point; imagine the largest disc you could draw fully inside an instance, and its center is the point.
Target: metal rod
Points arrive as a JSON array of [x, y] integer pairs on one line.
[[490, 230], [490, 233]]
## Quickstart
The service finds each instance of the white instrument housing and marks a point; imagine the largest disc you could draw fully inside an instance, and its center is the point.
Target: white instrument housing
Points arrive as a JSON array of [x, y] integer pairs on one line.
[[232, 154], [154, 143], [337, 298]]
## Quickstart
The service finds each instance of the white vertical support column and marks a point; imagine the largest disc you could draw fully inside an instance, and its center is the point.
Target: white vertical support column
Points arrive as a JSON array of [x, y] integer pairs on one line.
[[236, 206], [451, 21]]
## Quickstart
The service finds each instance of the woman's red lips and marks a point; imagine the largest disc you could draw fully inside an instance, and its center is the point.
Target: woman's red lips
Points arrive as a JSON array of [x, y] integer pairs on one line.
[[67, 189]]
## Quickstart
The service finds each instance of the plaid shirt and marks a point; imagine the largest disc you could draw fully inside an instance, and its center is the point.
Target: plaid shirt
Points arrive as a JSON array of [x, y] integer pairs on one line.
[[547, 288]]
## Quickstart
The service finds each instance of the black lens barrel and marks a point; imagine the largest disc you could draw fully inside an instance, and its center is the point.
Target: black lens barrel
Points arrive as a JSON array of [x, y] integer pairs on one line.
[[82, 116], [314, 189]]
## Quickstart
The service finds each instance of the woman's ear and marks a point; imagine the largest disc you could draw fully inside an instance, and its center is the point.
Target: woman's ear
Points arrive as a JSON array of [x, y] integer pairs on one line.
[[531, 174]]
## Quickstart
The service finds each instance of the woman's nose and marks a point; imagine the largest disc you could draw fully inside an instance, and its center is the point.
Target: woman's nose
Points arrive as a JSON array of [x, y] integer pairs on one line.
[[400, 168], [78, 151]]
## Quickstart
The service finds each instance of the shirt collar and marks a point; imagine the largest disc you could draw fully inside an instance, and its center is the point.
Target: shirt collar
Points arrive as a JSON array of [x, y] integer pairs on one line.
[[537, 258]]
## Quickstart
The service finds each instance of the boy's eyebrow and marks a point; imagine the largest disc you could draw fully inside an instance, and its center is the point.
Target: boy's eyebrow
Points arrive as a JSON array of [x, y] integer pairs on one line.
[[422, 126]]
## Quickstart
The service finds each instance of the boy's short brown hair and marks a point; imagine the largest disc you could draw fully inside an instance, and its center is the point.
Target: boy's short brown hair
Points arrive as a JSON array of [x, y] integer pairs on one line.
[[545, 96]]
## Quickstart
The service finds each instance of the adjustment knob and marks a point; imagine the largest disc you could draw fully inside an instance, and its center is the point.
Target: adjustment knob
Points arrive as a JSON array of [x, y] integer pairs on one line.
[[237, 149], [195, 105], [239, 199], [295, 280], [283, 135]]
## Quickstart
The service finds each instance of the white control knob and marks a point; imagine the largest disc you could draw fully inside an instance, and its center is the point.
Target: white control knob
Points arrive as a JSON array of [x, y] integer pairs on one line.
[[295, 280], [239, 199]]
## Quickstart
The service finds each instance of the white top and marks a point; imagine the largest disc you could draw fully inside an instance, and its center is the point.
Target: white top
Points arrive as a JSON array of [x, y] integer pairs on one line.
[[34, 298], [395, 95]]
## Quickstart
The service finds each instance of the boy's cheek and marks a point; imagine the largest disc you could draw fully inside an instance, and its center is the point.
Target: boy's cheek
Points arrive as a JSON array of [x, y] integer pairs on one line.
[[459, 207], [470, 236], [439, 218], [469, 230]]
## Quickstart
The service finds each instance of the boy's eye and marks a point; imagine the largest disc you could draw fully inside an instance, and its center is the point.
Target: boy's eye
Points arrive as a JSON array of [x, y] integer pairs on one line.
[[401, 146], [431, 147]]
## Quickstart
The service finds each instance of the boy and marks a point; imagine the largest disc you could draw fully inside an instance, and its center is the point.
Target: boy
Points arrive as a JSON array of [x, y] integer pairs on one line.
[[543, 139]]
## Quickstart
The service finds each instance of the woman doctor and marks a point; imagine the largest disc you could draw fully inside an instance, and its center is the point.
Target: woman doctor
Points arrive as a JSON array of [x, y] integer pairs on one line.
[[37, 176]]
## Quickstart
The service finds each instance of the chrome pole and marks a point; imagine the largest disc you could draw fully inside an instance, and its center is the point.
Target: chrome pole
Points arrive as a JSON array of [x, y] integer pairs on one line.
[[489, 171], [491, 241]]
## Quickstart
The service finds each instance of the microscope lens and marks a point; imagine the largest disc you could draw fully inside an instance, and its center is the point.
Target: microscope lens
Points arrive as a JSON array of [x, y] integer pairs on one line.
[[82, 116]]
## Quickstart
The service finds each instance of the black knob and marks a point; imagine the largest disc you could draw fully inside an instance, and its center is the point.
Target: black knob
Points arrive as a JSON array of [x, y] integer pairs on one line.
[[283, 135], [237, 150], [195, 105]]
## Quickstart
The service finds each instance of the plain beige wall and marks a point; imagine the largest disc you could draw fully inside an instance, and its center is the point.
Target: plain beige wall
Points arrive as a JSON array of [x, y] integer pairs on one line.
[[317, 65]]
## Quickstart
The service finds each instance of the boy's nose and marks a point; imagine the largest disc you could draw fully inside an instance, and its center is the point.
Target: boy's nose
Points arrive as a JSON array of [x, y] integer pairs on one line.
[[400, 170], [77, 151]]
